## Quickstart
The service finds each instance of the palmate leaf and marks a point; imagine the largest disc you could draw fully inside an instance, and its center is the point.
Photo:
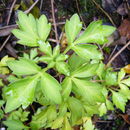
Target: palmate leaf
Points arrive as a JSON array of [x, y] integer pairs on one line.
[[20, 92], [23, 67], [51, 88], [31, 30], [90, 91], [87, 51], [27, 24], [72, 28], [96, 33]]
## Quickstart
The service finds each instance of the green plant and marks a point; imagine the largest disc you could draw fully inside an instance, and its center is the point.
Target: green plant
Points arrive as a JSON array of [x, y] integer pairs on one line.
[[85, 88]]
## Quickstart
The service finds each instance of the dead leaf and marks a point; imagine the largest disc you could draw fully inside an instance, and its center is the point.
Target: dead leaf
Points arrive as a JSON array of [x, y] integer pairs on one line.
[[4, 31], [127, 69], [124, 29], [125, 117]]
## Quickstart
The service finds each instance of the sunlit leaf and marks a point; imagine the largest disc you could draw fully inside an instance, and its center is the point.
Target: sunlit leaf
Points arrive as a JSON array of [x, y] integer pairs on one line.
[[45, 47], [96, 33], [77, 111], [126, 81], [86, 70], [43, 27], [102, 109], [109, 105], [23, 67], [72, 28], [63, 68], [87, 51], [20, 92], [15, 125], [88, 125], [91, 91], [119, 100], [75, 61], [50, 88], [66, 87]]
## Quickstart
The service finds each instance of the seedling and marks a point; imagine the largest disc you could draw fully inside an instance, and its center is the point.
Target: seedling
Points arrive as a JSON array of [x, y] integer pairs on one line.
[[86, 88]]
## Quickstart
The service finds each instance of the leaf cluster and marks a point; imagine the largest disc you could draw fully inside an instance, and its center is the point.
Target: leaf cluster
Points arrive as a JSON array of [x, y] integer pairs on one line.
[[86, 87]]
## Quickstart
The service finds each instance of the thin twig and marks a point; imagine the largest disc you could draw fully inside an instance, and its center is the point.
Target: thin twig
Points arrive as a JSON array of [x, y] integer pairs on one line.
[[112, 52], [118, 53], [54, 21], [79, 13], [10, 12], [41, 5], [5, 42], [104, 12], [28, 10], [52, 40]]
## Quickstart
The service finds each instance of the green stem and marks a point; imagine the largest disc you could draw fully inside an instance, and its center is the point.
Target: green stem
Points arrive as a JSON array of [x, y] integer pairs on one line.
[[67, 49]]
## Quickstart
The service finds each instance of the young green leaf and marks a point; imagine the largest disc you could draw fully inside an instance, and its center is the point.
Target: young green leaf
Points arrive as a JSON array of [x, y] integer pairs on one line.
[[39, 120], [33, 53], [111, 78], [100, 70], [67, 125], [57, 123], [92, 92], [126, 82], [87, 51], [63, 68], [91, 109], [28, 30], [102, 109], [96, 33], [66, 87], [125, 90], [43, 27], [109, 105], [15, 125], [72, 28], [25, 38], [62, 57], [51, 113], [45, 47], [88, 125], [50, 88], [119, 100], [121, 75], [23, 67], [86, 70], [20, 92], [77, 111], [56, 51], [75, 61], [27, 24], [46, 59], [19, 115]]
